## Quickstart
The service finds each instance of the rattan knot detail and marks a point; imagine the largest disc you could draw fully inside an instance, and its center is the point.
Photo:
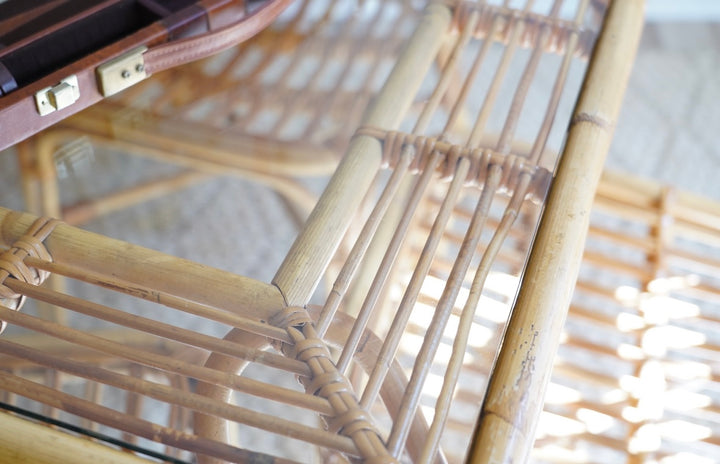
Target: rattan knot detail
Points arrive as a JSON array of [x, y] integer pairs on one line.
[[291, 316], [326, 381], [12, 262], [395, 146], [349, 417], [499, 22]]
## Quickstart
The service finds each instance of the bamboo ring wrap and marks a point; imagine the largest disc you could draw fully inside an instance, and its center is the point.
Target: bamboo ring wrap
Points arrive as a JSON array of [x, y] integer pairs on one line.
[[481, 160], [12, 262]]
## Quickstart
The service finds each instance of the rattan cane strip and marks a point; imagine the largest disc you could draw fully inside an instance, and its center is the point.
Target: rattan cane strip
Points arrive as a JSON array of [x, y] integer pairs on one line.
[[160, 392]]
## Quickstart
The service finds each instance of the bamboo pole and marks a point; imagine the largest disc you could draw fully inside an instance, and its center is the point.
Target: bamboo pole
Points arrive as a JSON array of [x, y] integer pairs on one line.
[[169, 395], [214, 427], [300, 273], [146, 268], [402, 314], [354, 259], [115, 419], [383, 270], [150, 294], [185, 142], [506, 428], [25, 442], [29, 177], [635, 198], [168, 363]]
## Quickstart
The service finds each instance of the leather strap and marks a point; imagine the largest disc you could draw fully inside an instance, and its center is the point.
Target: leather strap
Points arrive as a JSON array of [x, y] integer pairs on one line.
[[183, 51], [19, 116]]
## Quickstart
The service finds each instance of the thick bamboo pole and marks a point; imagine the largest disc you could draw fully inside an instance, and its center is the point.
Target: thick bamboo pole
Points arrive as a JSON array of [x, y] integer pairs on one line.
[[300, 273], [146, 268], [514, 399], [22, 441], [306, 261]]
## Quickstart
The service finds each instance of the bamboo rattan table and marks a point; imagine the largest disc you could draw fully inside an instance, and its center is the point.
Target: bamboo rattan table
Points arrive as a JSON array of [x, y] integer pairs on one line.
[[424, 230]]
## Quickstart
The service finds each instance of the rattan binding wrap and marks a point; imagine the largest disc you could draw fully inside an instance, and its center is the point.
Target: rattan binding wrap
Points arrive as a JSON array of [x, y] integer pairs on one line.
[[12, 263]]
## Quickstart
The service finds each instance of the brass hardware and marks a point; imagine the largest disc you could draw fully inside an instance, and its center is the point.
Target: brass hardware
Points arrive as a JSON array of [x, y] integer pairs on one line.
[[57, 97], [121, 72]]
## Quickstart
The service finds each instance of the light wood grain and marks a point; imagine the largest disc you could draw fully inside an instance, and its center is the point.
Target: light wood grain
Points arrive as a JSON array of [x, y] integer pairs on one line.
[[24, 442], [133, 264], [300, 273], [505, 432]]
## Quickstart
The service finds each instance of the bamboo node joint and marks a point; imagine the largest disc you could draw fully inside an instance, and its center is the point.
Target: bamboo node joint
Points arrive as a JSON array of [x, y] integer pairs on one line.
[[592, 119]]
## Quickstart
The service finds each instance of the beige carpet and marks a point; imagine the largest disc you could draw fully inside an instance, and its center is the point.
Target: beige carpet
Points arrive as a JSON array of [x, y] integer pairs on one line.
[[670, 118]]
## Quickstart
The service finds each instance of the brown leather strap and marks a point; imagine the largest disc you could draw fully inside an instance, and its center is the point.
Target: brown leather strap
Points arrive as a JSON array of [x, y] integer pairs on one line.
[[186, 50], [19, 115]]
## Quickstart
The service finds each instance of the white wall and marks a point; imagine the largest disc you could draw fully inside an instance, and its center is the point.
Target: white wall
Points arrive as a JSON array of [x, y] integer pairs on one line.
[[682, 10]]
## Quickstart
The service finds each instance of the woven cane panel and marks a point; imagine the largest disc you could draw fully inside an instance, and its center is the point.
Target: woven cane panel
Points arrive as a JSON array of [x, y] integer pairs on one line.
[[619, 391]]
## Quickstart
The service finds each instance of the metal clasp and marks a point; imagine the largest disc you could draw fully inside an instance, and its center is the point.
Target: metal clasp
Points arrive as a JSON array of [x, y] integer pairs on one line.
[[121, 72], [57, 97]]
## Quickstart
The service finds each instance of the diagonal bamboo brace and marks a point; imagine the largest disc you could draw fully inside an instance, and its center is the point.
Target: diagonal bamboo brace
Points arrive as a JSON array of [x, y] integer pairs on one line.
[[300, 273]]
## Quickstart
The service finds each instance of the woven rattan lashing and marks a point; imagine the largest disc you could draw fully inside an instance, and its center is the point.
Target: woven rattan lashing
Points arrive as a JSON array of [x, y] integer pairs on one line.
[[12, 263], [423, 229]]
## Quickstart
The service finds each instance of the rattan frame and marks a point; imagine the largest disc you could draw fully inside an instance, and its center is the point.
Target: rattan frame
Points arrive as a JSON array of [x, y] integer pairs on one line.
[[279, 311]]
